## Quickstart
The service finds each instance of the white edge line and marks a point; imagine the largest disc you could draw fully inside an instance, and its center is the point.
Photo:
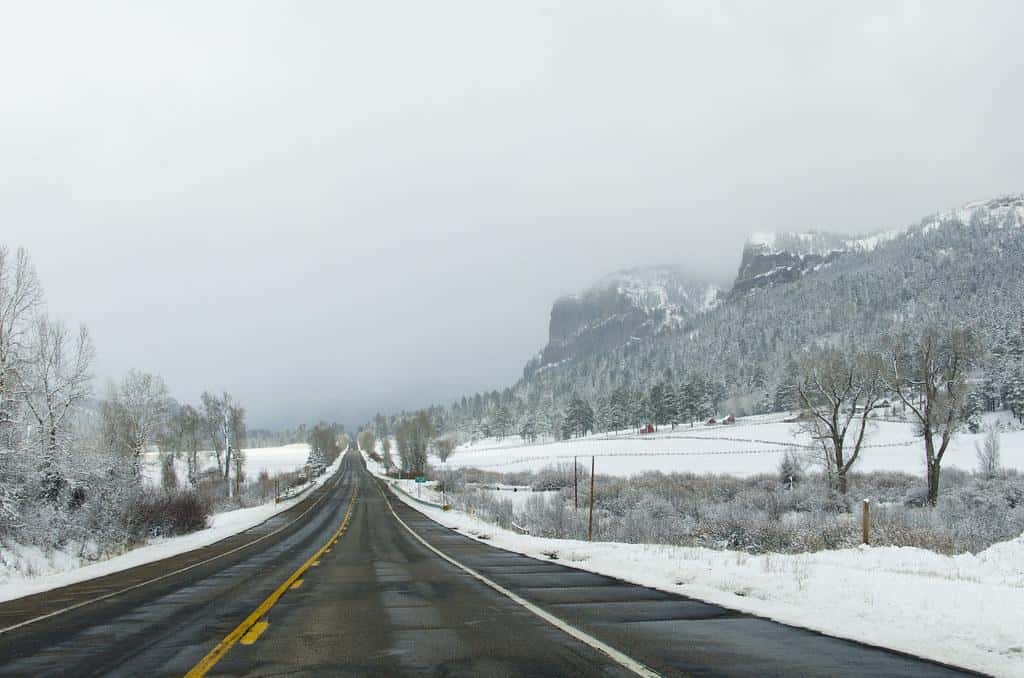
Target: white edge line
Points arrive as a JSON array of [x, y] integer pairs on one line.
[[623, 659], [113, 594]]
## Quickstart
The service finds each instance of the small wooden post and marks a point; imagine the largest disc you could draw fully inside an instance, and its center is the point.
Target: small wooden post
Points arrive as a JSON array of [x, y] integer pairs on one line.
[[575, 486], [866, 521], [590, 520]]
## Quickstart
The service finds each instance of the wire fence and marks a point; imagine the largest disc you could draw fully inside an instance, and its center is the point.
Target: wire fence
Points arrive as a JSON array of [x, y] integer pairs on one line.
[[777, 447], [671, 434]]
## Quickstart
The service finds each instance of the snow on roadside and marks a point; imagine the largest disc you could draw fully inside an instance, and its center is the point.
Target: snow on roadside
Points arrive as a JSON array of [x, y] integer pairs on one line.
[[964, 610], [60, 568]]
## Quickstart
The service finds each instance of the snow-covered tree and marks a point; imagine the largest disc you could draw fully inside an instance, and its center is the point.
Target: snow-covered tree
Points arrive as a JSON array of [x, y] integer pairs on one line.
[[56, 377], [136, 414]]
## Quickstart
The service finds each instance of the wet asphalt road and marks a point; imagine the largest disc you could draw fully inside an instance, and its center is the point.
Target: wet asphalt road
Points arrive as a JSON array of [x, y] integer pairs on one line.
[[381, 603]]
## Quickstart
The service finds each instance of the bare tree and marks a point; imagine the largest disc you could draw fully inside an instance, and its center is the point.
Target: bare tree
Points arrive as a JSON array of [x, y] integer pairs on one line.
[[839, 391], [147, 406], [20, 297], [213, 426], [136, 415], [366, 441], [989, 464], [928, 371], [385, 448], [443, 448], [187, 431], [412, 438], [234, 440], [56, 377]]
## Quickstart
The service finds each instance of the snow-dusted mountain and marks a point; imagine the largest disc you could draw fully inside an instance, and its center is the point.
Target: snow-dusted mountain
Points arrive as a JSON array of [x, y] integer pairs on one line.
[[622, 307], [777, 258], [899, 273], [773, 258]]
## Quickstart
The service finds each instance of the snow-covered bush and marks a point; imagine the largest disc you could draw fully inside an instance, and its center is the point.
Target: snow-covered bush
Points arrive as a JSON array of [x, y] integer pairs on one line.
[[160, 513], [761, 513]]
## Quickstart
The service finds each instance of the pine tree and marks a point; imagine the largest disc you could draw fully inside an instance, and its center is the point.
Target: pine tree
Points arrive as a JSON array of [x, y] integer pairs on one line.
[[528, 427], [1015, 393], [656, 400], [671, 405], [972, 411], [786, 396]]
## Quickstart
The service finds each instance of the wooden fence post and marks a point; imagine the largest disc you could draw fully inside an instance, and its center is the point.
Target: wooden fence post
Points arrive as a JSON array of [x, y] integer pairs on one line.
[[866, 521], [590, 521], [575, 486]]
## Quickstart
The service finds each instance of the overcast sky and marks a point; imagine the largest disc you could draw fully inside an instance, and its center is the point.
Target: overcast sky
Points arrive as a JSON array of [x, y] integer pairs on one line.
[[338, 207]]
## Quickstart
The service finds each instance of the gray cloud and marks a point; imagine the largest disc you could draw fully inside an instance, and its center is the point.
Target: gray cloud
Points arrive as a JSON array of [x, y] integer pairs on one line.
[[331, 208]]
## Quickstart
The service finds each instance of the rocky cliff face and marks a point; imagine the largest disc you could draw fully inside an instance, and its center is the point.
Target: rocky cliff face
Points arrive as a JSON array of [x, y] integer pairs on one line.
[[773, 259], [621, 308], [763, 267]]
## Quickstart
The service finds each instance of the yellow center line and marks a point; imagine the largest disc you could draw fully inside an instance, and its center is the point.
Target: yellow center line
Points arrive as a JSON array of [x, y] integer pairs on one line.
[[254, 633], [257, 615]]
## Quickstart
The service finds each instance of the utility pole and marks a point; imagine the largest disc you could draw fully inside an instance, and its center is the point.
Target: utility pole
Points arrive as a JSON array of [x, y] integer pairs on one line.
[[575, 486], [590, 521]]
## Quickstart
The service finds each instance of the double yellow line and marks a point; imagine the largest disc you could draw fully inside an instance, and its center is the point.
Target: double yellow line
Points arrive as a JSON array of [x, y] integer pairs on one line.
[[254, 624]]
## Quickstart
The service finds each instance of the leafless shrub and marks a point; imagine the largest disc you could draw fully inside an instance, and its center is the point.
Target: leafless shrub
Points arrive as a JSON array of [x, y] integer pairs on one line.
[[989, 464], [762, 514]]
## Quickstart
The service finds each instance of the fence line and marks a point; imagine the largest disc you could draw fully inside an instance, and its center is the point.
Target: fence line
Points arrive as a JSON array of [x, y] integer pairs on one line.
[[655, 437], [780, 448]]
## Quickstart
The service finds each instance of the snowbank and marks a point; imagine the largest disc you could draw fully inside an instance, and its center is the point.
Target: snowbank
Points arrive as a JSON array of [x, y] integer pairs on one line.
[[966, 610], [59, 568]]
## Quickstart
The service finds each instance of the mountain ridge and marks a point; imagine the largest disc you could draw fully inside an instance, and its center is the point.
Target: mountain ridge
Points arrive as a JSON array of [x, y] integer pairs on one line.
[[636, 304]]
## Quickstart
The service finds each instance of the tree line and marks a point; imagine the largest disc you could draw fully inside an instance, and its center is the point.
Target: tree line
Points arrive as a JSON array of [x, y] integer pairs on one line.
[[72, 467]]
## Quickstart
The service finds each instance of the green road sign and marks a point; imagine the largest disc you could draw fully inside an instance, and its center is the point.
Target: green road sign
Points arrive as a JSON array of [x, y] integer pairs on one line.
[[421, 479]]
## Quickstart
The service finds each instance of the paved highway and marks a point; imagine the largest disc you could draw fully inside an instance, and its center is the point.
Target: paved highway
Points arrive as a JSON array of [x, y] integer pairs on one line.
[[352, 583]]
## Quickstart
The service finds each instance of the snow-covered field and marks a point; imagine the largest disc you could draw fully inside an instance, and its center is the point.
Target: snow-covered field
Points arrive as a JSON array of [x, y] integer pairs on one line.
[[966, 610], [753, 445], [273, 460], [59, 568], [517, 494]]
